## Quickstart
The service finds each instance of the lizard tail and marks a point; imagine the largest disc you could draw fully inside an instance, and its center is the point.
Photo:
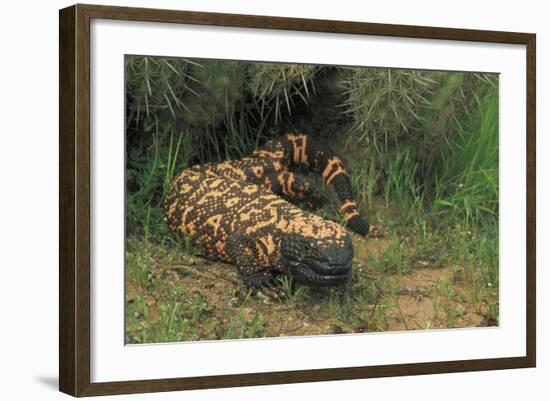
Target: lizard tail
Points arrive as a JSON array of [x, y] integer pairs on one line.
[[303, 150]]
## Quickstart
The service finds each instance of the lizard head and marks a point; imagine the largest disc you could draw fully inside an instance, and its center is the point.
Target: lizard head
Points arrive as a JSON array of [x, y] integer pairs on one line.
[[316, 261]]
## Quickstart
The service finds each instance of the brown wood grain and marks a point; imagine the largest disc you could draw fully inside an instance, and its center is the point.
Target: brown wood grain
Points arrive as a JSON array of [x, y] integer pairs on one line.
[[531, 229], [67, 131], [74, 198]]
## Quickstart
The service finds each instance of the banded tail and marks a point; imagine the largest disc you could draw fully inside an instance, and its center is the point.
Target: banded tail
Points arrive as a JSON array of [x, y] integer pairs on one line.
[[303, 150]]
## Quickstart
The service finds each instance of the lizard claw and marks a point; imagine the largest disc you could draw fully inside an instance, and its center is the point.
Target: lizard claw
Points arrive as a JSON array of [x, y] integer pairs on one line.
[[271, 290], [265, 287], [271, 293]]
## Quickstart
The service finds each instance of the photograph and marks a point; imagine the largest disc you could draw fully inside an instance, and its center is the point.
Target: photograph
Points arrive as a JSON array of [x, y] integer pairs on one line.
[[275, 200], [271, 199]]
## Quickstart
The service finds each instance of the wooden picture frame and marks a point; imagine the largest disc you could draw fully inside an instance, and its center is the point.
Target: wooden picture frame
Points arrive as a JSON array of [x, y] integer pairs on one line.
[[74, 200]]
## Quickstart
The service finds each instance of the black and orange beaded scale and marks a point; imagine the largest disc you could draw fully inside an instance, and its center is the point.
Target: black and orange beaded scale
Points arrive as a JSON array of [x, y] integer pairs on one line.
[[239, 212]]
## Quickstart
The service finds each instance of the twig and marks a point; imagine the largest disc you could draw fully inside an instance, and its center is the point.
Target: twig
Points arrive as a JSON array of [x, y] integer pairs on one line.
[[201, 273], [419, 326], [295, 328], [401, 313]]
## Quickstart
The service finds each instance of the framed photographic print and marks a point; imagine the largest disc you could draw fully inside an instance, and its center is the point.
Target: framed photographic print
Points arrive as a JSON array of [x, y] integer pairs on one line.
[[251, 200]]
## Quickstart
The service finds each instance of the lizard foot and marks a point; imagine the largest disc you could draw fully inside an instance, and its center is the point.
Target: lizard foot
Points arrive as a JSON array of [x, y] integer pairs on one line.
[[263, 286]]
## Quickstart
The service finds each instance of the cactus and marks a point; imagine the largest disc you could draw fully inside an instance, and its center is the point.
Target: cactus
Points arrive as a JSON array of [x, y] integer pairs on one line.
[[389, 107], [385, 104], [220, 88], [419, 113], [182, 92], [158, 87], [276, 87]]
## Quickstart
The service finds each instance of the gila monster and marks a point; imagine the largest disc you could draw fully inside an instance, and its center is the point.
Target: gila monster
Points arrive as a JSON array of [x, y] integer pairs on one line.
[[239, 212]]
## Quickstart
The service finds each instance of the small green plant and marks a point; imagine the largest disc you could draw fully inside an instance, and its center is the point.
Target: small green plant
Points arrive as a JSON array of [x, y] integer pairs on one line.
[[257, 326], [448, 305], [401, 187], [339, 303], [395, 259], [137, 320], [492, 315], [295, 293], [429, 249], [467, 186], [197, 307], [240, 326], [369, 317], [473, 287], [365, 182], [139, 267], [188, 247]]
